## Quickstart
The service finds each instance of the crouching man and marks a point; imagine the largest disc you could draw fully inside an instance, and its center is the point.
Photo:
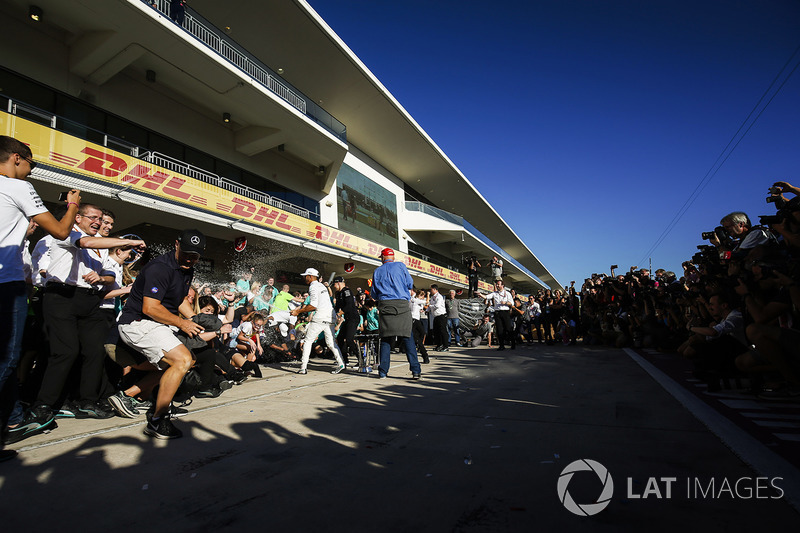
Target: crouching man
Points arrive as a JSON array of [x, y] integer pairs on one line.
[[149, 315]]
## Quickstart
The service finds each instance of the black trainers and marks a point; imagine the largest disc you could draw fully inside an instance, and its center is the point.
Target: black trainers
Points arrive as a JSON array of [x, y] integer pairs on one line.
[[40, 419], [212, 392], [161, 428], [68, 410], [237, 377], [141, 406], [90, 409], [123, 405], [415, 375], [177, 411], [6, 455]]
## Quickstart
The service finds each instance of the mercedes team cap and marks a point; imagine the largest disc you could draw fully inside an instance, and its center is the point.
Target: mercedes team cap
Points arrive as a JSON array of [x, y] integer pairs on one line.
[[338, 279], [192, 241], [311, 272], [387, 251]]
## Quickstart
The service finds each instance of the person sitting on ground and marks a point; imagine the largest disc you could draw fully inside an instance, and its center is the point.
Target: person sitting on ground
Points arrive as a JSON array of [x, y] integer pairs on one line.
[[246, 339], [274, 341], [481, 331], [203, 348]]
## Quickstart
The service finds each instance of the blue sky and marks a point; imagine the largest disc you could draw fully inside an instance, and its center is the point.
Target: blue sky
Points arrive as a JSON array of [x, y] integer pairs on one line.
[[588, 124]]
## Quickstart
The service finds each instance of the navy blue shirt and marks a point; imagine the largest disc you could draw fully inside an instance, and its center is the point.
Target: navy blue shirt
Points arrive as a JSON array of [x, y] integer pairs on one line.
[[161, 279], [346, 302]]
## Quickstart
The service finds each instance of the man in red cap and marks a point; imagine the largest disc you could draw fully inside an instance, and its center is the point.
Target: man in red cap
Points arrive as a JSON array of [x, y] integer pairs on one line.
[[391, 288]]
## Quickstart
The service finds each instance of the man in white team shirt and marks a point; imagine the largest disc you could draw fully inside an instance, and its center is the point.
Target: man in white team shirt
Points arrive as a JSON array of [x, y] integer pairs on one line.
[[19, 204], [322, 321], [502, 301]]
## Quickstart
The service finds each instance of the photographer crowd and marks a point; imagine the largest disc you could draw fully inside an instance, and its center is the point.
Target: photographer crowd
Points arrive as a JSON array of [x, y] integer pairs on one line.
[[732, 312]]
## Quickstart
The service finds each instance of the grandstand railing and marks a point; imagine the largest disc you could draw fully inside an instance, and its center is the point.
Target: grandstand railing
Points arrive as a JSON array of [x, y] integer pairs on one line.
[[218, 181], [222, 44]]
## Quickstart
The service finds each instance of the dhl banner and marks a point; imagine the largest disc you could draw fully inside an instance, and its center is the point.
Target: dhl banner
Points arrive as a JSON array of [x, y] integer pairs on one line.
[[58, 150]]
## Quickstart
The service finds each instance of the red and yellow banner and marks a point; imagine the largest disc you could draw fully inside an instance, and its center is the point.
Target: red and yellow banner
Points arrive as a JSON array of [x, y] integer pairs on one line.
[[98, 163]]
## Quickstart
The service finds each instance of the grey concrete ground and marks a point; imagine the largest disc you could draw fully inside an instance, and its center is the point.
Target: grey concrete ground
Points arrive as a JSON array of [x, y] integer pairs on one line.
[[477, 445]]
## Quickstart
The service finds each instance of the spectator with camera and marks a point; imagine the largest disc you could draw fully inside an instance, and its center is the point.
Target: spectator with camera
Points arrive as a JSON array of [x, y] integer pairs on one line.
[[473, 265], [496, 266]]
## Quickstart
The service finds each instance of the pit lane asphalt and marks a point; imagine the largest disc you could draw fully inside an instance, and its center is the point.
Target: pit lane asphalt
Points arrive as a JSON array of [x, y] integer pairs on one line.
[[477, 445]]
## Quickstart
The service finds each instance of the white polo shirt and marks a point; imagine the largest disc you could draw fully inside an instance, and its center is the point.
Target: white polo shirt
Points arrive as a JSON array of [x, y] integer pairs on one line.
[[417, 304], [69, 262], [437, 304], [501, 301], [19, 202], [112, 266], [319, 298], [40, 259]]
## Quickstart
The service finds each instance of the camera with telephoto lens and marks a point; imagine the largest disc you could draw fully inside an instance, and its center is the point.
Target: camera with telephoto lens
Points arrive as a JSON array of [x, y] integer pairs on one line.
[[777, 218], [719, 231], [775, 197]]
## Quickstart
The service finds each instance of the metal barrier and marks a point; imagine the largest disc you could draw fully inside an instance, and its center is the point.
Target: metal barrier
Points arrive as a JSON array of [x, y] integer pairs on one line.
[[212, 37], [223, 183], [435, 212]]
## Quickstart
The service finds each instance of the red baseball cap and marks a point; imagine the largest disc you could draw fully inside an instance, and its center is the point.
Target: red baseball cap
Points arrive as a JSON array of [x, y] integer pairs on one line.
[[387, 251]]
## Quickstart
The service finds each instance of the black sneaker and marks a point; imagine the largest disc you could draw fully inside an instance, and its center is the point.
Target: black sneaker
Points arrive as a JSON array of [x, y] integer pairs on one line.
[[141, 406], [6, 455], [177, 412], [213, 392], [224, 385], [123, 405], [90, 409], [237, 377], [161, 428], [415, 375], [68, 410], [40, 419]]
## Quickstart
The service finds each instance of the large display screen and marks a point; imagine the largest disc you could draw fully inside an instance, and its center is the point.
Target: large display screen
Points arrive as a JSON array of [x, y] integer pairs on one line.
[[365, 208]]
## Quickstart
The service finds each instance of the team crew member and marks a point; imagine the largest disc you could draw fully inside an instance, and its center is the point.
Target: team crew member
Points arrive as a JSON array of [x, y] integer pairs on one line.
[[322, 321], [451, 304], [346, 307], [391, 288], [502, 300], [152, 307], [74, 288], [418, 304], [19, 203], [439, 311]]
